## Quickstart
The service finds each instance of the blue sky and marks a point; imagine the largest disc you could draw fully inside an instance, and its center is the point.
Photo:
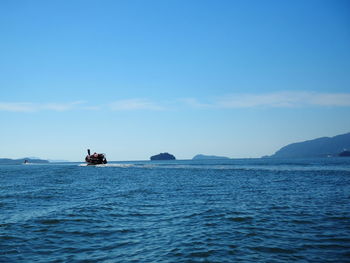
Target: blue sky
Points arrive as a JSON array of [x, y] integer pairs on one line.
[[136, 78]]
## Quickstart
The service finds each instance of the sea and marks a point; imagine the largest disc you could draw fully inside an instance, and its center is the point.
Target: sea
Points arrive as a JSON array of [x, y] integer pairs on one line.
[[239, 210]]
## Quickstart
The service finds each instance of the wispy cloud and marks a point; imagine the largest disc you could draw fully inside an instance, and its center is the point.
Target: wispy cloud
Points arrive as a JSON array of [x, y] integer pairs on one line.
[[195, 103], [275, 100], [16, 106], [60, 106], [135, 104], [330, 99], [287, 99], [33, 107]]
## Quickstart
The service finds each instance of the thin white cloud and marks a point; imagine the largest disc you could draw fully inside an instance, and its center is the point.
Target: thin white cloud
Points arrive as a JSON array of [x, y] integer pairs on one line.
[[331, 99], [60, 106], [234, 101], [135, 104], [275, 100], [34, 107], [195, 103], [16, 107], [280, 100]]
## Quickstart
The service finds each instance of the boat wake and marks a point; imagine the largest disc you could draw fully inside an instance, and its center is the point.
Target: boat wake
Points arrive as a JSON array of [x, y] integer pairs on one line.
[[121, 165]]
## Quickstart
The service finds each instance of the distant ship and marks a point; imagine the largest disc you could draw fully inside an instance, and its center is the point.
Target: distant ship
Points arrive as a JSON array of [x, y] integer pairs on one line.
[[96, 158]]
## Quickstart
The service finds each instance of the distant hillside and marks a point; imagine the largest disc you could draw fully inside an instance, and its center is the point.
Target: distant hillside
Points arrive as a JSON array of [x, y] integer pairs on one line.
[[20, 161], [321, 147], [209, 157]]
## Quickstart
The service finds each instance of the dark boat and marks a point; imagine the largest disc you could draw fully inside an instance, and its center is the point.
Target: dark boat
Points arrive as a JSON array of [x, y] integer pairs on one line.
[[96, 158]]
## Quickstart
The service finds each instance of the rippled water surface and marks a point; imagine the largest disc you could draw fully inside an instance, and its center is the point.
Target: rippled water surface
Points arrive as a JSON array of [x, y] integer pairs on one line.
[[181, 211]]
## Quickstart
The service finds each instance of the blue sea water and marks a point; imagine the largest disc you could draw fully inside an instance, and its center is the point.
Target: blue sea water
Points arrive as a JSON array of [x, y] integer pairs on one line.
[[249, 210]]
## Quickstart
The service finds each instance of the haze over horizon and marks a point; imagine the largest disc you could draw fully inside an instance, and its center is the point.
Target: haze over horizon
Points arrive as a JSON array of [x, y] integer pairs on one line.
[[136, 78]]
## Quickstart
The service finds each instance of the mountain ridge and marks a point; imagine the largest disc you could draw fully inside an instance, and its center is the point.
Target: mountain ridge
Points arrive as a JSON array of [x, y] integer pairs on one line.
[[319, 147]]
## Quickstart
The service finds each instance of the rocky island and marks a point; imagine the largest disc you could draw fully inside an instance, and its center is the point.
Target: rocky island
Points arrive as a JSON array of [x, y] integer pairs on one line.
[[162, 156]]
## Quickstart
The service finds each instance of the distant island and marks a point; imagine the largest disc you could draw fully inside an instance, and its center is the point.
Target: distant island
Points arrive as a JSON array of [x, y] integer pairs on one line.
[[344, 154], [21, 161], [209, 157], [320, 147], [163, 156]]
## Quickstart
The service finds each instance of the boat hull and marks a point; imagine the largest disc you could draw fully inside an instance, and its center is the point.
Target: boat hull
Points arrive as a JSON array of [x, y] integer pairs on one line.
[[95, 159]]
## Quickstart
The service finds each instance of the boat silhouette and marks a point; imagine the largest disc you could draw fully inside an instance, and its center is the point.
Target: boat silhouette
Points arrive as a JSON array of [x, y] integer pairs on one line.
[[95, 158]]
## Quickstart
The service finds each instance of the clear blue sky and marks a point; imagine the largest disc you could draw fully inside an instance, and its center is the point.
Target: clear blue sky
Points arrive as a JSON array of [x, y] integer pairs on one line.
[[136, 78]]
